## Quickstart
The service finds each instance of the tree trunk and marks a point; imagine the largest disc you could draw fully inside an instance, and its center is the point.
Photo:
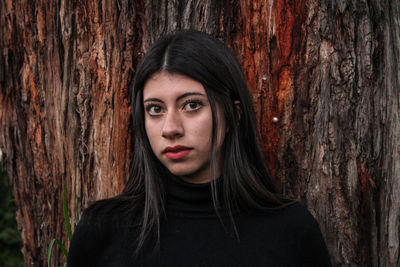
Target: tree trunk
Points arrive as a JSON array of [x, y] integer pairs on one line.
[[326, 70], [65, 108]]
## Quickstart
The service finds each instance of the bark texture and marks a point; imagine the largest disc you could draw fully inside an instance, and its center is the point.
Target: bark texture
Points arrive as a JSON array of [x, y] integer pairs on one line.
[[327, 70], [65, 108]]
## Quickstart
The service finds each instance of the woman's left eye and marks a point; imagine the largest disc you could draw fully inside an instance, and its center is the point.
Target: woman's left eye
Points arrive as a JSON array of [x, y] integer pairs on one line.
[[192, 105]]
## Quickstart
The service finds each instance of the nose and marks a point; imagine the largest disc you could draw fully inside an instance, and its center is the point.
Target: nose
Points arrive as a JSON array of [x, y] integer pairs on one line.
[[173, 126]]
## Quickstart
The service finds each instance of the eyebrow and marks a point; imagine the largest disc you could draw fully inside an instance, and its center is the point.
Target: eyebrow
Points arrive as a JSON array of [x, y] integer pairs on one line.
[[153, 99]]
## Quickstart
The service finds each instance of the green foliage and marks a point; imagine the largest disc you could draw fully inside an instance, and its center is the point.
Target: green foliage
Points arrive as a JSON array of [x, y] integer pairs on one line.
[[66, 216], [67, 222], [10, 238], [398, 263]]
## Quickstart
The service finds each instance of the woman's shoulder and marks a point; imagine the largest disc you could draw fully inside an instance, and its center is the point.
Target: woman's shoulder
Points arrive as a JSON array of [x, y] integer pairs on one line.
[[111, 212], [87, 240], [297, 219], [297, 214], [290, 224], [295, 230], [313, 249], [292, 216], [95, 225], [96, 229]]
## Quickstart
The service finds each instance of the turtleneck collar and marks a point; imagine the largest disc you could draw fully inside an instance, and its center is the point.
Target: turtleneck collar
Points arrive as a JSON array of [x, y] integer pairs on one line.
[[189, 200]]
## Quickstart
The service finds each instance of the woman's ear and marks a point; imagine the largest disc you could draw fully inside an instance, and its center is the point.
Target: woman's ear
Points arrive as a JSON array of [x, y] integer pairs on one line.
[[238, 108]]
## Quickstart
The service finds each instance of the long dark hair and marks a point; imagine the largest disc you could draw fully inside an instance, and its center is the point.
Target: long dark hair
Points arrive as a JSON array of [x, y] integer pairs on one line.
[[246, 183]]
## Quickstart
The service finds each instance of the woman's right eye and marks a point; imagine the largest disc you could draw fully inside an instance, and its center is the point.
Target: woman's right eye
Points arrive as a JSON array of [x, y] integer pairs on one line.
[[154, 110]]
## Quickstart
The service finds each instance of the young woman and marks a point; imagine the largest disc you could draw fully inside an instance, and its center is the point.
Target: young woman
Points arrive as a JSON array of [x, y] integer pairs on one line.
[[199, 193]]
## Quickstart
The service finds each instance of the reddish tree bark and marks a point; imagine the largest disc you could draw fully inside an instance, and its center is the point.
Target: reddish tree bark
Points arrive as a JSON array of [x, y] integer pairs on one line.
[[327, 70]]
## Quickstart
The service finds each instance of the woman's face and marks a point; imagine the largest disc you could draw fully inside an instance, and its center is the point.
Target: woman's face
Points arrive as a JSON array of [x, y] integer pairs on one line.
[[178, 122]]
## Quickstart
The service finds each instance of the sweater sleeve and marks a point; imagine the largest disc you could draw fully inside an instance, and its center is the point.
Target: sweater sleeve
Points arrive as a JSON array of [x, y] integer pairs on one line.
[[314, 251]]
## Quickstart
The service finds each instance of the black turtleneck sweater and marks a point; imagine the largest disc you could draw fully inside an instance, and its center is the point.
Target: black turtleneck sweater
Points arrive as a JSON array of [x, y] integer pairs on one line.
[[193, 235]]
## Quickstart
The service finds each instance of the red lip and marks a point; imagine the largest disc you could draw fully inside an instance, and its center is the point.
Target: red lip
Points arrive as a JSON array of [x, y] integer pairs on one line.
[[175, 149], [176, 152]]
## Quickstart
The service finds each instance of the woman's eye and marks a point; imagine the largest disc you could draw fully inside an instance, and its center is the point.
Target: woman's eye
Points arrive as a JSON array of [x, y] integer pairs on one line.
[[192, 105], [154, 110]]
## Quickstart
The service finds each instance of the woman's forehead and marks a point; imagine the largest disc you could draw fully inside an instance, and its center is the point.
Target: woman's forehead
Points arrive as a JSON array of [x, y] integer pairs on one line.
[[164, 84]]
